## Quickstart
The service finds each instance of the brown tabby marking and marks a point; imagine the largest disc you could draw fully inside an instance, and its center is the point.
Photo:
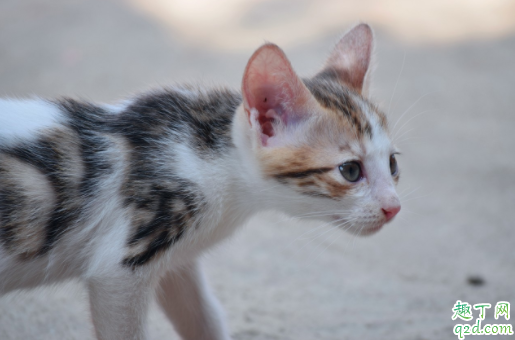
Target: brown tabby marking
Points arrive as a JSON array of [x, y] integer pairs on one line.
[[306, 170], [39, 192], [343, 102], [26, 203]]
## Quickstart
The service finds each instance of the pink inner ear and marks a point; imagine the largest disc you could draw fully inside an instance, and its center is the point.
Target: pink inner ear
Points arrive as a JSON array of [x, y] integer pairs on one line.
[[350, 59], [268, 104], [271, 87]]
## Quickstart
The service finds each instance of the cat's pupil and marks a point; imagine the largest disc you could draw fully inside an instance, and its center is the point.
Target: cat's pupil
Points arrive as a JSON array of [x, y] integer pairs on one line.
[[351, 171], [393, 165]]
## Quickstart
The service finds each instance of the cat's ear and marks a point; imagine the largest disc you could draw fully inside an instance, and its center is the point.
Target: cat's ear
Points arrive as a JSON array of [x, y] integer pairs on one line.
[[274, 97], [349, 61]]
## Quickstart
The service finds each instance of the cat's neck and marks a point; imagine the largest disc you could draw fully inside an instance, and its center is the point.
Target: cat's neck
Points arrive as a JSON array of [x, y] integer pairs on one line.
[[236, 186]]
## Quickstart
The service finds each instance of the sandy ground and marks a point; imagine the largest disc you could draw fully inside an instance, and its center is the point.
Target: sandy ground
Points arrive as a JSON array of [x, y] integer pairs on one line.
[[279, 279]]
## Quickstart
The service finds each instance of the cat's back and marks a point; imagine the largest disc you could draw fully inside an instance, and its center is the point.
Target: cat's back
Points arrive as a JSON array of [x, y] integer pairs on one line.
[[196, 116], [205, 113]]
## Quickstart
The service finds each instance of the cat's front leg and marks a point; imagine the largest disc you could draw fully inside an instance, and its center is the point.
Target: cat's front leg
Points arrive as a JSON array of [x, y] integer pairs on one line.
[[190, 306], [119, 306]]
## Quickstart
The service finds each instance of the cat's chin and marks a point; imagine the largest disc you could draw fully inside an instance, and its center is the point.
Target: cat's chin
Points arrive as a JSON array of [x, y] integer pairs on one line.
[[370, 231]]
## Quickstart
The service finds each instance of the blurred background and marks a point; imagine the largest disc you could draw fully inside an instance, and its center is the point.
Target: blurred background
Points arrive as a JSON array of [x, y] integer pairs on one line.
[[445, 74]]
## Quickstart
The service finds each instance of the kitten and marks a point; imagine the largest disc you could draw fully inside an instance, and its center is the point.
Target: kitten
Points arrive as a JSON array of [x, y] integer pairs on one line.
[[127, 197]]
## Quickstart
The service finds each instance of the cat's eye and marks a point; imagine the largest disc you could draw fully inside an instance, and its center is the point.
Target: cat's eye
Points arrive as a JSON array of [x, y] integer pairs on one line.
[[351, 171], [393, 165]]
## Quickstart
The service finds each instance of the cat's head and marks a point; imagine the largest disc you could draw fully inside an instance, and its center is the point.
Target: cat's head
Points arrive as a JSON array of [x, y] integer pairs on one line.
[[317, 147]]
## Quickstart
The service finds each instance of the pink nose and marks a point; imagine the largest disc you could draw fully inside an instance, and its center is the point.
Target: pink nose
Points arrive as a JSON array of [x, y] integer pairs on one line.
[[390, 212]]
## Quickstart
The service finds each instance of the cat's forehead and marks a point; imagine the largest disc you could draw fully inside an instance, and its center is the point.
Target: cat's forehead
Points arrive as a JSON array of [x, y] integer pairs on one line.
[[355, 122]]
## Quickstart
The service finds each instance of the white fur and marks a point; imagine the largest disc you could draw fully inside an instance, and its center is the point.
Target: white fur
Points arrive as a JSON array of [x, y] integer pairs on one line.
[[26, 119], [118, 107], [193, 309]]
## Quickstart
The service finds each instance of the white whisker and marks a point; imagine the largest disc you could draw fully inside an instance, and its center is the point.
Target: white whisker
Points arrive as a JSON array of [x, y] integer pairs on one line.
[[397, 82], [409, 120], [409, 108]]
